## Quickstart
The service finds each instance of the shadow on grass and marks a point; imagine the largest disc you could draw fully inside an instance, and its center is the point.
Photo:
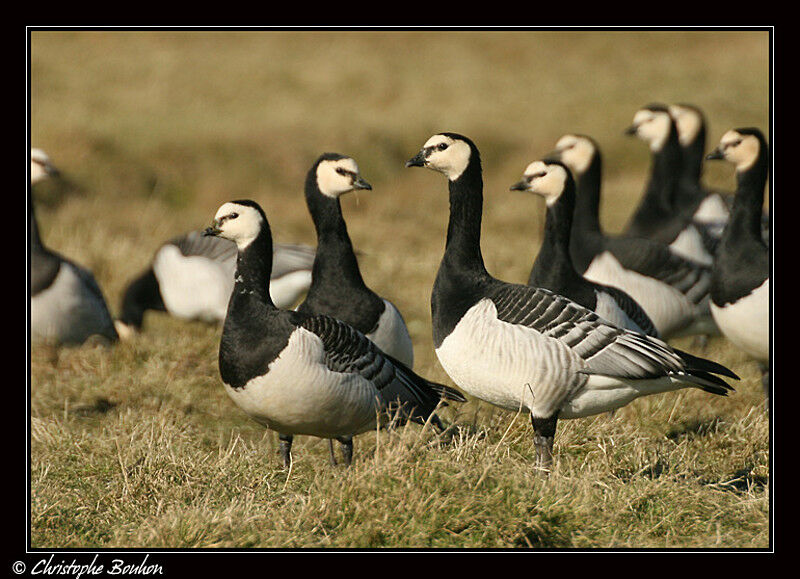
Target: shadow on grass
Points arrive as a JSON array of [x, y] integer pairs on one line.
[[694, 428], [743, 481], [545, 531], [99, 406]]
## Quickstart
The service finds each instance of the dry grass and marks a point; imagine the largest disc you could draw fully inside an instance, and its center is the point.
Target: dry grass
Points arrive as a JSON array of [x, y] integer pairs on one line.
[[138, 445]]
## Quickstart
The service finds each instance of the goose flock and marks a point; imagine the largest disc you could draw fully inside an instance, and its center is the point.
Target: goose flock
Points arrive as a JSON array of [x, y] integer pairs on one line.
[[308, 349]]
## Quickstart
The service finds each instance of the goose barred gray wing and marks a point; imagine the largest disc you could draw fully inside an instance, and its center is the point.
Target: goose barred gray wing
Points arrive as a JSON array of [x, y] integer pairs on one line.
[[631, 308], [606, 349], [655, 260], [348, 351]]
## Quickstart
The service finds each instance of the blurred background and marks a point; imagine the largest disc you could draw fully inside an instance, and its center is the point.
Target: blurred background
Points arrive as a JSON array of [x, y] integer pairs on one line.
[[155, 129]]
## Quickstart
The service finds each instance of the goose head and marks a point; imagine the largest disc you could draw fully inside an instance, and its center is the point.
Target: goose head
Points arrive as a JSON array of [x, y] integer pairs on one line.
[[576, 152], [447, 153], [652, 124], [239, 221], [337, 174], [545, 178], [741, 147], [688, 121], [41, 166]]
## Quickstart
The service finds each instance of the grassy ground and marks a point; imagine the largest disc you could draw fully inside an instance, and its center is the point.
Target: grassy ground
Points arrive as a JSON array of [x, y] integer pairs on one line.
[[139, 446]]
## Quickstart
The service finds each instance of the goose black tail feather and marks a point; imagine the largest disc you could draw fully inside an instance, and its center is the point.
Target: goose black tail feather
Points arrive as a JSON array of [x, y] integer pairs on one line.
[[707, 382], [444, 392], [695, 365], [415, 397]]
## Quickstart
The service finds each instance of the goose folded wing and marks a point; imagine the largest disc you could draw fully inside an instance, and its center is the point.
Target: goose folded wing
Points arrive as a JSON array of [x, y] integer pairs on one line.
[[631, 308], [348, 351], [606, 349], [655, 260]]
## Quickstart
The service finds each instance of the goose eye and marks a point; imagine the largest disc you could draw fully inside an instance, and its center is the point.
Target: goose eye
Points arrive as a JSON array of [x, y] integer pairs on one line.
[[341, 171], [234, 215], [442, 146]]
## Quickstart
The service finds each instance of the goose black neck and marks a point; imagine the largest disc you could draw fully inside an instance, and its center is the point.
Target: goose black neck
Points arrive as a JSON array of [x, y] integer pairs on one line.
[[463, 248], [587, 238], [253, 268], [335, 261], [553, 266], [749, 200], [664, 174], [658, 202], [692, 155], [587, 202]]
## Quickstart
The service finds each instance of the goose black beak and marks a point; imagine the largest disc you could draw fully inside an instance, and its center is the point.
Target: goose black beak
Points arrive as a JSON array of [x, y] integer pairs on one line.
[[359, 183], [519, 186], [631, 130], [417, 160], [715, 154], [212, 231]]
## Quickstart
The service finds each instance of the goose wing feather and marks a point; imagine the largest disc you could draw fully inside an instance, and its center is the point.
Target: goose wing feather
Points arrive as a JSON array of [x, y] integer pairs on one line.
[[655, 260], [349, 351], [607, 350]]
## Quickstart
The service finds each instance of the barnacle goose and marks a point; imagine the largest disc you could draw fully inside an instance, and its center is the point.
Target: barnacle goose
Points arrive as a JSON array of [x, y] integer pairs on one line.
[[660, 215], [67, 305], [740, 280], [713, 206], [553, 268], [521, 347], [300, 373], [191, 278], [672, 289], [338, 289]]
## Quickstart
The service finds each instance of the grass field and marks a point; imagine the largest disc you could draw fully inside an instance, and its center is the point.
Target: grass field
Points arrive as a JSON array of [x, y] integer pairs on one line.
[[139, 446]]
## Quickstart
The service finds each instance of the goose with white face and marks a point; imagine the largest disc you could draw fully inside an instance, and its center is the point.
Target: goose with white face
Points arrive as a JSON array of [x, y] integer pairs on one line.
[[688, 121], [41, 166], [576, 152], [443, 153], [338, 176], [544, 179], [651, 126], [238, 222], [737, 148]]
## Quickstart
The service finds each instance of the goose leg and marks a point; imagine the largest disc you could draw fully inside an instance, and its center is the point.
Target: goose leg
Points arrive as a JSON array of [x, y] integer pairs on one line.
[[286, 449], [544, 431], [347, 448], [332, 453]]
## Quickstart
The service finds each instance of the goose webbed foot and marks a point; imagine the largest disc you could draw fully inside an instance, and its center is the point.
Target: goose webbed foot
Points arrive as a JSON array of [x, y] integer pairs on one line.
[[286, 449], [544, 431]]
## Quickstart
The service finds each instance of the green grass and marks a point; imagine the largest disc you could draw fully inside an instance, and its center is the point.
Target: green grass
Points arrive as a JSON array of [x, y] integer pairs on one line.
[[139, 446]]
